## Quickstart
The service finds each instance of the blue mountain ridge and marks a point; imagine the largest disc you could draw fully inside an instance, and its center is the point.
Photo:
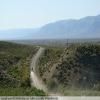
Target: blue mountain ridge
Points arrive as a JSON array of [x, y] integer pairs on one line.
[[88, 27]]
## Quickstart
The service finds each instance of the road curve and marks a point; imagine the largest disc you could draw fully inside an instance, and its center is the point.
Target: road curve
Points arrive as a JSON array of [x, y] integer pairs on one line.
[[35, 80]]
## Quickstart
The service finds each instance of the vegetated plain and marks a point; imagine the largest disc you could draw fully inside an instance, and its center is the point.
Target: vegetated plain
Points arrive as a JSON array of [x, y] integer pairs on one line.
[[71, 69], [15, 70]]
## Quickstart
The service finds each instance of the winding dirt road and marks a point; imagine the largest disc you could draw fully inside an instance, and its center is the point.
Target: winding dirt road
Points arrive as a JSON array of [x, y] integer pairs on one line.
[[35, 80]]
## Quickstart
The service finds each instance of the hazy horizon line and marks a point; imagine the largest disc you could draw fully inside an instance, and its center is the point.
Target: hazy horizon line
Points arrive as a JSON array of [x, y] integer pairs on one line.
[[48, 23]]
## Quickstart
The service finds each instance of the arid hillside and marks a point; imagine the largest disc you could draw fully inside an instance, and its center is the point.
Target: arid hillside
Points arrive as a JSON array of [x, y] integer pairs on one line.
[[73, 67]]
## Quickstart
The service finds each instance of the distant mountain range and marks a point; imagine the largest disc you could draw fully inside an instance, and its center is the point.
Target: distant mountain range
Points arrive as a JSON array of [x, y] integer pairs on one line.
[[88, 27]]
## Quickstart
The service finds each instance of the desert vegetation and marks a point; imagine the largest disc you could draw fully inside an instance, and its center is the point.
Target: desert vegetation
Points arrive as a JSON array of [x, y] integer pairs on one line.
[[15, 69], [70, 70], [75, 68]]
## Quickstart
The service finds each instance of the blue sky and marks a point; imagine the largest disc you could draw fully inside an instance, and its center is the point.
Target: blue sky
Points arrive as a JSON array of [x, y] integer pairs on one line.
[[15, 14]]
